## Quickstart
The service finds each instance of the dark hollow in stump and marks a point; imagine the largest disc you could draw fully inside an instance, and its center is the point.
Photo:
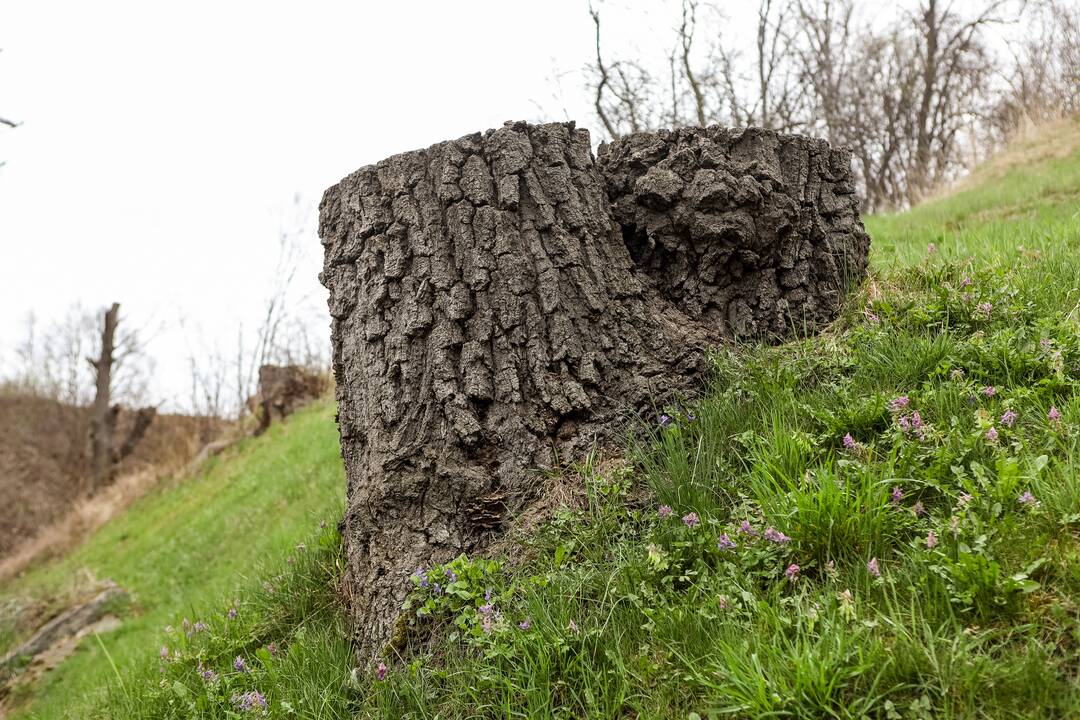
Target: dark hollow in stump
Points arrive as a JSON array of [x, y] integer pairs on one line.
[[746, 229], [489, 321]]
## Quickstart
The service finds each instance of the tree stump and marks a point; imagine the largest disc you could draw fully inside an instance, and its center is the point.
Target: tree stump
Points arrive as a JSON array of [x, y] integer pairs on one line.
[[488, 322]]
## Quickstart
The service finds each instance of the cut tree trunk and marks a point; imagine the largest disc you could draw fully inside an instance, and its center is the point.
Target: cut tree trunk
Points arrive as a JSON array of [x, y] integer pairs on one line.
[[489, 323], [746, 229]]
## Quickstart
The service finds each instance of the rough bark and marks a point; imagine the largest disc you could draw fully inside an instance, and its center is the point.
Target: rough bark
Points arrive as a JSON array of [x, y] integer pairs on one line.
[[752, 231], [489, 321]]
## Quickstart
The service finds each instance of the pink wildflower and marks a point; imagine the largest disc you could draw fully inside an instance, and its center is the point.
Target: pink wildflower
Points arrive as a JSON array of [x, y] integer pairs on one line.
[[873, 568], [931, 540], [792, 572], [774, 535]]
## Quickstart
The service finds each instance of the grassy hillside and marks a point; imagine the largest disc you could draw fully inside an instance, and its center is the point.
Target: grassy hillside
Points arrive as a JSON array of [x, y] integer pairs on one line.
[[880, 522], [188, 545]]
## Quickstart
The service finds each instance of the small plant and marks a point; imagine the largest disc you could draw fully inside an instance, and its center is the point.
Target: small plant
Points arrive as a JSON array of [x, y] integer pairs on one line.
[[460, 592]]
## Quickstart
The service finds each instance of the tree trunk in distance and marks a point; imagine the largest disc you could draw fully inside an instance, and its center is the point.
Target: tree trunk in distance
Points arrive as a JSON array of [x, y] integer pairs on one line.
[[102, 419]]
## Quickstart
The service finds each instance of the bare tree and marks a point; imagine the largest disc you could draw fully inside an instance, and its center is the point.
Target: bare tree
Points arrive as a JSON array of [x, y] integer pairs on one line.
[[1045, 80], [910, 95], [7, 123], [105, 451]]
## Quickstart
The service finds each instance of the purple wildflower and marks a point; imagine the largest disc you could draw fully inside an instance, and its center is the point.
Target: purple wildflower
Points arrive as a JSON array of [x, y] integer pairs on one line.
[[774, 535], [486, 609], [792, 572], [989, 391], [207, 674], [747, 529], [985, 309], [272, 649], [164, 652], [904, 423], [525, 624], [380, 672], [1028, 499], [897, 495], [200, 627], [723, 602], [849, 442], [249, 701], [918, 508], [965, 282], [691, 519], [931, 249], [487, 623], [916, 420], [872, 317], [664, 512], [899, 403], [1008, 419], [231, 614], [992, 434], [438, 589], [239, 665], [931, 540], [691, 417], [451, 575], [726, 543], [873, 568], [1054, 415], [665, 420]]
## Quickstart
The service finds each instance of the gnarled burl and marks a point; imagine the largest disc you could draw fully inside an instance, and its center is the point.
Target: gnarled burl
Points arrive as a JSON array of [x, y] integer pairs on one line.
[[491, 317]]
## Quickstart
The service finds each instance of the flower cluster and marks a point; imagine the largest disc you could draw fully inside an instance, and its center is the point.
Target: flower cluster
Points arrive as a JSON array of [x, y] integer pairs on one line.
[[251, 701]]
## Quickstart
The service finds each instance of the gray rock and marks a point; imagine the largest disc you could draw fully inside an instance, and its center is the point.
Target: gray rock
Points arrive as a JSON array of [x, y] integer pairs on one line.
[[65, 625]]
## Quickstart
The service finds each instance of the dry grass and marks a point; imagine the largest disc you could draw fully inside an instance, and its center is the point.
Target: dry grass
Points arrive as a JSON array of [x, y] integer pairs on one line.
[[74, 526], [1032, 145]]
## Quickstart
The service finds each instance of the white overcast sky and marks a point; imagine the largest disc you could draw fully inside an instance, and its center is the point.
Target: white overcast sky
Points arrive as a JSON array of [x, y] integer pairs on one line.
[[162, 142]]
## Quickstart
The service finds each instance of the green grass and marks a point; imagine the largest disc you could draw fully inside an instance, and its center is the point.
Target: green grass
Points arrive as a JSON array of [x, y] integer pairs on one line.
[[929, 584], [187, 546]]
